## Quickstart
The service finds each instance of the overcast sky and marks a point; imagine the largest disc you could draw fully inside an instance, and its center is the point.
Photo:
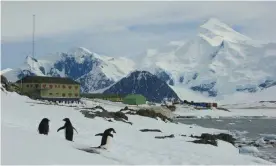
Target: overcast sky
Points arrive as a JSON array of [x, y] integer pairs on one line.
[[120, 28]]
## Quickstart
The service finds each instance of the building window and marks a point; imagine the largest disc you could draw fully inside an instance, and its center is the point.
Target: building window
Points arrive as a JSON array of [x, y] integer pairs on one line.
[[57, 93], [69, 94], [76, 87], [63, 94], [56, 86], [76, 94], [50, 94], [36, 85], [64, 86], [27, 85], [44, 85], [69, 87], [31, 85], [51, 86]]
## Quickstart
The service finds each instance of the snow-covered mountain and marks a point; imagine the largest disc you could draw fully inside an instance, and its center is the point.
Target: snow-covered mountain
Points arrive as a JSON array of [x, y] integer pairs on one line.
[[218, 60], [145, 83], [93, 71]]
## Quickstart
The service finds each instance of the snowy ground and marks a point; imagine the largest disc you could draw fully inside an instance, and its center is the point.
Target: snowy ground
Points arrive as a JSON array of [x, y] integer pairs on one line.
[[21, 144]]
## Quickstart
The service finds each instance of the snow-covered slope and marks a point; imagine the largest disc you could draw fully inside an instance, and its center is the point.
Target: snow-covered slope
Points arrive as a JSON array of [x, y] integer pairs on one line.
[[21, 143], [5, 70], [264, 95], [93, 71], [217, 61]]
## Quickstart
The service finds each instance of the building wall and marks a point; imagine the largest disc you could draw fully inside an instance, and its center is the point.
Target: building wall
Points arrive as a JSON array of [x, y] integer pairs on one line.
[[31, 89], [60, 90], [134, 100]]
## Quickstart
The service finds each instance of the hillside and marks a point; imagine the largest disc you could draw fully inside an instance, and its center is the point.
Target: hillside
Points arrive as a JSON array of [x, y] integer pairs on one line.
[[21, 144]]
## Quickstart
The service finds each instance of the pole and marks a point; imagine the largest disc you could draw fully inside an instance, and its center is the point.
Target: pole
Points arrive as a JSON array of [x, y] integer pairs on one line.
[[33, 34], [33, 43]]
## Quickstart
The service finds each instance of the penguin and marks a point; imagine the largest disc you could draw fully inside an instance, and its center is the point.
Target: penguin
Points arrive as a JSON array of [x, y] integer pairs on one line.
[[105, 138], [68, 129], [43, 127]]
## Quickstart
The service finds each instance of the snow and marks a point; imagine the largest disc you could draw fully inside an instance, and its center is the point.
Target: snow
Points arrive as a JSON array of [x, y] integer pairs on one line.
[[259, 104], [21, 144], [104, 67], [5, 70], [240, 97], [216, 54], [190, 95], [219, 29], [249, 149]]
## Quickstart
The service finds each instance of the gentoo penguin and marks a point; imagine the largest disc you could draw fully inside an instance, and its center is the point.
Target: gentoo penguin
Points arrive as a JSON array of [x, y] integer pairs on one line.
[[43, 127], [68, 129], [106, 136]]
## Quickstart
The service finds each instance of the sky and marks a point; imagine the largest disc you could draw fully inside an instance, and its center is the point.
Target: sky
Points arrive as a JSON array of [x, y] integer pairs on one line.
[[125, 28]]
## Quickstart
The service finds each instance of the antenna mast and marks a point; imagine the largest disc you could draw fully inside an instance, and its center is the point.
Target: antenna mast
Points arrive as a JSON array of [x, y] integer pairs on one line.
[[33, 34]]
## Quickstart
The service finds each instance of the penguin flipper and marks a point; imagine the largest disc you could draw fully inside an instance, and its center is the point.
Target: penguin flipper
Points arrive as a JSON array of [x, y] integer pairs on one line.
[[63, 127], [75, 130], [99, 134]]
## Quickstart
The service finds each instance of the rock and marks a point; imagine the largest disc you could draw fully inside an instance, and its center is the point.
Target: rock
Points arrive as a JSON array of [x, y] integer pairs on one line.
[[11, 87], [4, 81], [150, 130], [152, 114], [226, 137], [204, 141], [118, 116], [163, 137], [171, 107], [206, 138], [223, 109]]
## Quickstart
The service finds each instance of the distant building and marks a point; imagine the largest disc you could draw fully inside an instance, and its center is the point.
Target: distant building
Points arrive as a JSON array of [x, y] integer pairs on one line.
[[110, 97], [134, 99], [50, 88]]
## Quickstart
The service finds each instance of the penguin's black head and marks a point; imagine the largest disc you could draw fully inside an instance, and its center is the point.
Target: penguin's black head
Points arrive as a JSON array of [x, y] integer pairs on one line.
[[45, 120], [66, 120], [111, 130]]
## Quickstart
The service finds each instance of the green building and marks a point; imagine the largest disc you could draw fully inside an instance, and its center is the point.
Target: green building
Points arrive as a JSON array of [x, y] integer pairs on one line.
[[110, 97], [50, 88], [134, 99]]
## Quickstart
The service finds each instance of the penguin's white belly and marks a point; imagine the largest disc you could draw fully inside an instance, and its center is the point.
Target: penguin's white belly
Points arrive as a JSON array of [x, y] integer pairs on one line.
[[107, 144]]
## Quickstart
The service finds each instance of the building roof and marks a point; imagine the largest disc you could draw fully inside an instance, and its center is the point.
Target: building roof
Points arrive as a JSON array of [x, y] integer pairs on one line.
[[134, 96], [43, 79]]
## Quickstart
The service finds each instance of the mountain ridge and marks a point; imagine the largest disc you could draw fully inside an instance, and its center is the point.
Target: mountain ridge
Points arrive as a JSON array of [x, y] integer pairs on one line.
[[216, 61]]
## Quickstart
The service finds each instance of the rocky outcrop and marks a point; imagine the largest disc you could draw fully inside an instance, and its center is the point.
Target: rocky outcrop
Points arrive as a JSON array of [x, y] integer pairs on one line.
[[150, 130], [206, 138], [118, 116]]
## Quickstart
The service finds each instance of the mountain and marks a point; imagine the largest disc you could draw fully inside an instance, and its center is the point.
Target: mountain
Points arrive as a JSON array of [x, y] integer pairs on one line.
[[93, 71], [145, 83], [217, 61]]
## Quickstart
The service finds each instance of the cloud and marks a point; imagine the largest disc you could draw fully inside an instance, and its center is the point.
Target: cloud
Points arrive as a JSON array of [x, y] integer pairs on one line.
[[67, 17], [121, 28]]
